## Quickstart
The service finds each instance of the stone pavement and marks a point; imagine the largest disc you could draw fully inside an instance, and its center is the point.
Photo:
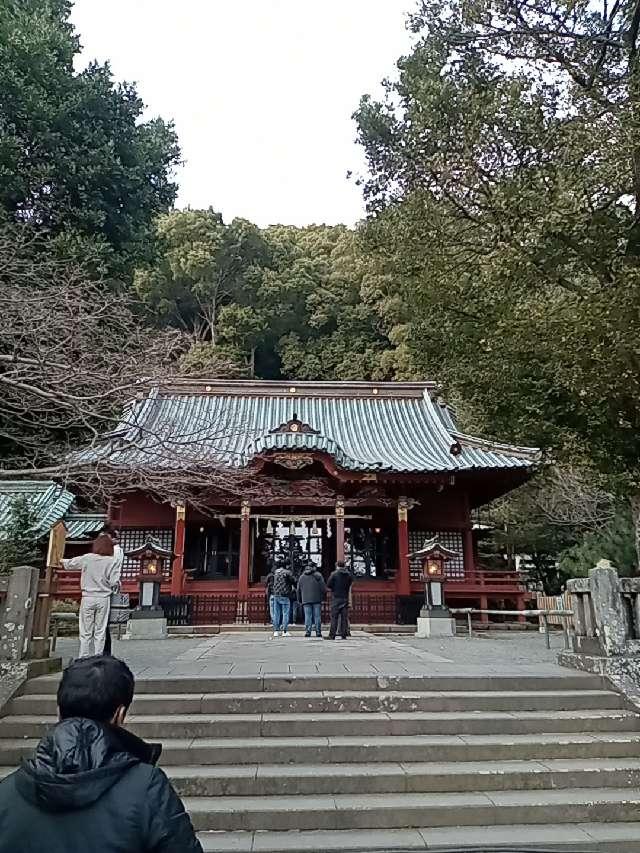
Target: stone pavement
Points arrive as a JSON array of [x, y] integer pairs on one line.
[[253, 653]]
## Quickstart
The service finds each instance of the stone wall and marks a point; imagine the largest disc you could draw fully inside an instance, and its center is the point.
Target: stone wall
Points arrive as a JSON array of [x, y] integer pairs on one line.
[[606, 616]]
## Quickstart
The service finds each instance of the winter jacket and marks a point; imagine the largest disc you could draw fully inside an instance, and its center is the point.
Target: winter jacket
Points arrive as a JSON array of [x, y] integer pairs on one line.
[[283, 583], [100, 575], [268, 585], [340, 583], [92, 787], [311, 587]]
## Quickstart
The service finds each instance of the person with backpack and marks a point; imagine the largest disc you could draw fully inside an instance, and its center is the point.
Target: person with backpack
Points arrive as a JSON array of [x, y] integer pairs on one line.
[[283, 584], [311, 593]]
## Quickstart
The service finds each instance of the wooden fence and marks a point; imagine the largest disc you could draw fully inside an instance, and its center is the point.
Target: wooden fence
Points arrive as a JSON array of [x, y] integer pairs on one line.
[[555, 602]]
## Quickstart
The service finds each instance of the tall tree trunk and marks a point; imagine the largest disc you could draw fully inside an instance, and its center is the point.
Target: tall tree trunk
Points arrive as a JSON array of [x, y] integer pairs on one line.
[[635, 515]]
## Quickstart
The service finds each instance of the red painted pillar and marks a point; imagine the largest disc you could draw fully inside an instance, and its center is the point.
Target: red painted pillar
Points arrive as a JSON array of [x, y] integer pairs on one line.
[[177, 574], [403, 576], [521, 605], [340, 529], [245, 547]]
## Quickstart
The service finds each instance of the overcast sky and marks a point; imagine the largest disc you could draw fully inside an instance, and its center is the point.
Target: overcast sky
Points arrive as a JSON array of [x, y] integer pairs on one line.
[[261, 92]]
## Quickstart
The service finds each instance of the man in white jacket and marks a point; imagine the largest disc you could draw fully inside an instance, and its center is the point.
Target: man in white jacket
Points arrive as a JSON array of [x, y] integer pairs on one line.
[[100, 577]]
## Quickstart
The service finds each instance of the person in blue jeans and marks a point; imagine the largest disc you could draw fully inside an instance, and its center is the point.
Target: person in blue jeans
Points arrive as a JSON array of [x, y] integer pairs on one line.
[[311, 592], [283, 583]]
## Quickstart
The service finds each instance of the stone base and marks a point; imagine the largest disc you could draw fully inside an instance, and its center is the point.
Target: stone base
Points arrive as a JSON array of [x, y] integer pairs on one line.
[[146, 629], [436, 626]]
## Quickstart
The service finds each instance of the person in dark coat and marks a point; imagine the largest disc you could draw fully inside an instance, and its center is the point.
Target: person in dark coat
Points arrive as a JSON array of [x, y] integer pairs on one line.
[[92, 785], [340, 583], [283, 583], [311, 593], [268, 592]]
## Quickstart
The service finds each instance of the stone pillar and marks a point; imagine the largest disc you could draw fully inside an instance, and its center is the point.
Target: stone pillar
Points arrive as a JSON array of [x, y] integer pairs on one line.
[[403, 577], [610, 609], [340, 529], [16, 612], [177, 573], [245, 548]]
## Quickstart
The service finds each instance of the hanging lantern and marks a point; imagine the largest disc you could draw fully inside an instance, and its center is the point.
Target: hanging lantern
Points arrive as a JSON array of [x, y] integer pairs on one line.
[[292, 528], [314, 528], [269, 528]]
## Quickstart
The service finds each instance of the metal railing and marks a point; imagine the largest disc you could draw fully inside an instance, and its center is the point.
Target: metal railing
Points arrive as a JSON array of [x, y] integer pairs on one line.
[[543, 616]]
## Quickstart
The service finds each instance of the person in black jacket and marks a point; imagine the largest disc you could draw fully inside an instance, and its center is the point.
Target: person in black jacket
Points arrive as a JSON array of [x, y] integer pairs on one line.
[[92, 785], [340, 583], [311, 592]]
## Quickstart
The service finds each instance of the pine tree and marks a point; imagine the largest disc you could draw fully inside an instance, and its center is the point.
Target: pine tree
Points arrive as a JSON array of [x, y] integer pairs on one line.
[[19, 536]]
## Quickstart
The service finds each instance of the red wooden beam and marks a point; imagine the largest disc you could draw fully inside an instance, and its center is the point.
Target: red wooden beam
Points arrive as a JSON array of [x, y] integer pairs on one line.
[[403, 577], [245, 547], [340, 530], [177, 574]]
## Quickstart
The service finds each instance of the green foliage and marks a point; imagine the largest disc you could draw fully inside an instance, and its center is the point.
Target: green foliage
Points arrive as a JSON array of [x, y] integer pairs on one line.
[[615, 542], [19, 536], [298, 302], [75, 158], [207, 360], [204, 265], [502, 197]]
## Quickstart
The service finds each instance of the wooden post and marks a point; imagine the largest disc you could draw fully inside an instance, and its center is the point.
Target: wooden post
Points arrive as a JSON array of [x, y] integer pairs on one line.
[[403, 577], [177, 573], [521, 606], [467, 549], [39, 645], [340, 530], [484, 605], [245, 545]]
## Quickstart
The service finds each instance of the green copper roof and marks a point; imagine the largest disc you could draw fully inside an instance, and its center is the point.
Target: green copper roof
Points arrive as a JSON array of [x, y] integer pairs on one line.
[[392, 427], [82, 526], [50, 500]]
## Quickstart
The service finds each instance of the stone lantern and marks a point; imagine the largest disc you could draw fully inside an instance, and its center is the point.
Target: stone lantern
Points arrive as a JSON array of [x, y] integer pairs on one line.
[[435, 619], [147, 621]]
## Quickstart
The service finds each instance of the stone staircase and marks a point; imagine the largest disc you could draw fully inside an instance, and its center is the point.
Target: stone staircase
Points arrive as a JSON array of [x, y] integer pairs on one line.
[[368, 764]]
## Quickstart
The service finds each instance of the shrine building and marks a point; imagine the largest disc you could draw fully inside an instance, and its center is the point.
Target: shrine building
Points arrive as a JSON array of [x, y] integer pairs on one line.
[[294, 472]]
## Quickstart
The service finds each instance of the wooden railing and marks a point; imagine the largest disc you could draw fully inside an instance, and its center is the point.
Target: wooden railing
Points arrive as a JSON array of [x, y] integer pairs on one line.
[[367, 608]]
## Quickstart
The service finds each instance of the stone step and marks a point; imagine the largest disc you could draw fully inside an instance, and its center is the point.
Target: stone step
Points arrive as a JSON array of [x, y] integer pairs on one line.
[[327, 701], [583, 837], [412, 777], [280, 780], [335, 724], [373, 750], [402, 811], [347, 682]]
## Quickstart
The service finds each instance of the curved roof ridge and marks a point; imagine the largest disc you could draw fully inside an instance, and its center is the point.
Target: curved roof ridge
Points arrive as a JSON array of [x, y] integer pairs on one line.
[[367, 431], [496, 446]]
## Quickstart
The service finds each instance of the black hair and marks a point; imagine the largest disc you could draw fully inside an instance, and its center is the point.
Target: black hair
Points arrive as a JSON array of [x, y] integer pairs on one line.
[[95, 687], [110, 530], [340, 564]]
